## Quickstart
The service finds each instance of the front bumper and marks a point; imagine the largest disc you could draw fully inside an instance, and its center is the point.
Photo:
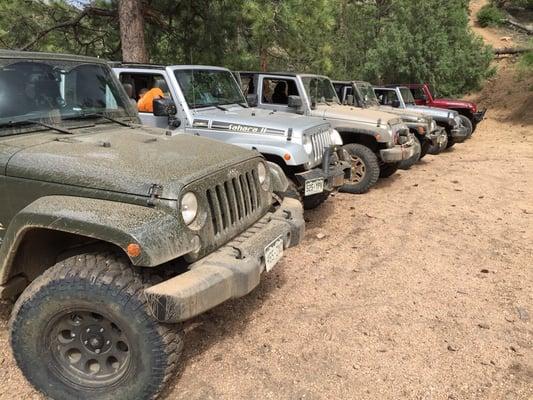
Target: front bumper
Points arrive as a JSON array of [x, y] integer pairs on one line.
[[479, 116], [459, 134], [232, 271], [399, 152], [336, 168]]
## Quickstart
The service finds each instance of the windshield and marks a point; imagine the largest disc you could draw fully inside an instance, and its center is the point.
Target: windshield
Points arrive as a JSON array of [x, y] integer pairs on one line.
[[208, 88], [407, 96], [320, 90], [52, 91], [433, 92], [367, 94]]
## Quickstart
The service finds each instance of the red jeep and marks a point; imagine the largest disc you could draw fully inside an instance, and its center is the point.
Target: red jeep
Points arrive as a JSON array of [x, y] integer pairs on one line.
[[425, 96]]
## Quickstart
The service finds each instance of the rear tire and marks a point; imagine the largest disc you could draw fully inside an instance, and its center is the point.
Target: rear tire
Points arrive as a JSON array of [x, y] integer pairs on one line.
[[82, 330], [365, 169]]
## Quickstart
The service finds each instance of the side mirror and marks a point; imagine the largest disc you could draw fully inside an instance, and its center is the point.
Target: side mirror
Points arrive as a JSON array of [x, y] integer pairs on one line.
[[395, 103], [252, 100], [164, 108], [349, 100], [295, 101]]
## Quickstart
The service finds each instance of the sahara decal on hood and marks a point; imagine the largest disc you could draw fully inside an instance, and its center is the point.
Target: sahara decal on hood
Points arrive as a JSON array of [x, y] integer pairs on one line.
[[228, 126]]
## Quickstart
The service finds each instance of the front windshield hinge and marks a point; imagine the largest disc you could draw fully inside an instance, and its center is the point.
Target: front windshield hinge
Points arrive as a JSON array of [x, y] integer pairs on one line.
[[155, 192]]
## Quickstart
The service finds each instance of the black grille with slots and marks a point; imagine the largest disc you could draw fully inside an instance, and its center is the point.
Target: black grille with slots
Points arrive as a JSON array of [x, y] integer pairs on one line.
[[234, 201]]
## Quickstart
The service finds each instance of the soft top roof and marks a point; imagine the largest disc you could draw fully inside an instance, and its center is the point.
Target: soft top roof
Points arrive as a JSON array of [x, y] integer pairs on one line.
[[49, 56]]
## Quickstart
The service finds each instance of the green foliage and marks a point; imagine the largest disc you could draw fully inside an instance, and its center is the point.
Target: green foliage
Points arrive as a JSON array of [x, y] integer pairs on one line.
[[382, 41], [525, 64], [489, 15], [528, 4], [412, 41]]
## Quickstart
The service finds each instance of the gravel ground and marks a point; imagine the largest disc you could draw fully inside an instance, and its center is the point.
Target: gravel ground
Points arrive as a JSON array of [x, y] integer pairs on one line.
[[421, 289]]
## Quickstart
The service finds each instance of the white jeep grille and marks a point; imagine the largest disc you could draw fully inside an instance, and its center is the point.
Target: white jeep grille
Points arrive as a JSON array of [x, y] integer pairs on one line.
[[320, 140]]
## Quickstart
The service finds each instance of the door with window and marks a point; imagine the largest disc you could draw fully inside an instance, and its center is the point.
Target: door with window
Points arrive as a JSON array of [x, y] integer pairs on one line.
[[276, 91], [142, 88]]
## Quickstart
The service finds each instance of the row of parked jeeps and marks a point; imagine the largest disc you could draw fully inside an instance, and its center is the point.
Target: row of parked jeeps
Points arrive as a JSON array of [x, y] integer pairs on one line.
[[115, 225]]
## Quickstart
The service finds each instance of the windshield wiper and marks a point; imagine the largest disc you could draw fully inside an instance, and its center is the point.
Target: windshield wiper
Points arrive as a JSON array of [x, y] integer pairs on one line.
[[244, 105], [33, 122], [98, 115]]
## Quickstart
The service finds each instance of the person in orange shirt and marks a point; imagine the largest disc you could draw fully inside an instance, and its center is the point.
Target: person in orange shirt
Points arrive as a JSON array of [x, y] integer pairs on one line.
[[145, 103]]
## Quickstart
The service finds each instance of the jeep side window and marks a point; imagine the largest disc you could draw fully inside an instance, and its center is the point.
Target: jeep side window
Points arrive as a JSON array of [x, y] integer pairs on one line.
[[386, 97], [137, 84], [277, 91]]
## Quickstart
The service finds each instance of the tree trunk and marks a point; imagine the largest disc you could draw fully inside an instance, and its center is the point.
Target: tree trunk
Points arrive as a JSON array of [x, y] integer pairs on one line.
[[263, 59], [132, 31]]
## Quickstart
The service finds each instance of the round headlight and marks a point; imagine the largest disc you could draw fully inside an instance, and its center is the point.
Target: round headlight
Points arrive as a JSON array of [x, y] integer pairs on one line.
[[336, 137], [189, 207], [261, 173], [308, 146]]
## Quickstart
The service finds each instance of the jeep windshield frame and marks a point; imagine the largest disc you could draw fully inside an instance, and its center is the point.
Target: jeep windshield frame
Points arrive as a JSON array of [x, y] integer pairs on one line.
[[366, 91], [319, 90], [204, 88], [34, 92]]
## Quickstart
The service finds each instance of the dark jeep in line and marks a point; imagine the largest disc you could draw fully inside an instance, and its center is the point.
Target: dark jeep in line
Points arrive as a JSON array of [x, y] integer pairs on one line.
[[111, 233]]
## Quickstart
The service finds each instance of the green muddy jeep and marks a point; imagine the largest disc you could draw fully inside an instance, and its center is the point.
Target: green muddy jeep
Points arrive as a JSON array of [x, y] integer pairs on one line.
[[110, 232]]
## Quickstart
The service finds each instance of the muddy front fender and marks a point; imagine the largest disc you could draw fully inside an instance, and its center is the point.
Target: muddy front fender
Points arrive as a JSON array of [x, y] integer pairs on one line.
[[159, 235]]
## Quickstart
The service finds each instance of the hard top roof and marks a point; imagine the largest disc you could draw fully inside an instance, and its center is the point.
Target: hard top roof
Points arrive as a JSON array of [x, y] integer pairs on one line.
[[291, 74], [48, 56], [118, 64]]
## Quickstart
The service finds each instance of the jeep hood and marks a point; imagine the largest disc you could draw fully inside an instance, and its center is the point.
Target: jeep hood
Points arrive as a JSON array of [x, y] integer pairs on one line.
[[398, 111], [255, 120], [451, 103], [361, 115], [121, 160], [436, 113]]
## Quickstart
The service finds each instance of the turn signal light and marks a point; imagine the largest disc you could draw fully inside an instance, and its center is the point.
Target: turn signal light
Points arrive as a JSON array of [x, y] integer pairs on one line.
[[134, 250], [286, 156]]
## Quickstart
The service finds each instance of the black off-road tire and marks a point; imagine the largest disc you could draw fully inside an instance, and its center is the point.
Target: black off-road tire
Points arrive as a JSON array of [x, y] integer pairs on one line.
[[92, 292], [370, 163], [468, 123], [424, 148], [451, 142], [315, 200], [406, 164], [387, 170]]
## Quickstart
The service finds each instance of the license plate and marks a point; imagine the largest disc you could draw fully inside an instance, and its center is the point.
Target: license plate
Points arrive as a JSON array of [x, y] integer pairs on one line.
[[273, 253], [314, 186]]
